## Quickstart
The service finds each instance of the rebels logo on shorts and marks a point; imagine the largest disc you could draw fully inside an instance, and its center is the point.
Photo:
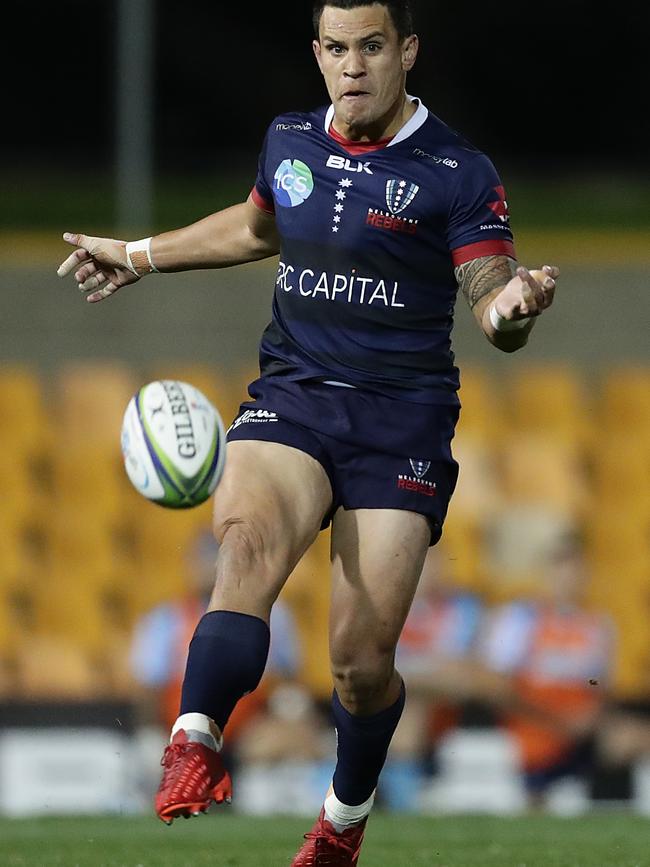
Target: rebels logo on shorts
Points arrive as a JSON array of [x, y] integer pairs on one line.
[[417, 483]]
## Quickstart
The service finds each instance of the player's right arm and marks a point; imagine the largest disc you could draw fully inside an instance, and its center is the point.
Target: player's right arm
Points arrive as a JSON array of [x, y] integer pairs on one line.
[[236, 235]]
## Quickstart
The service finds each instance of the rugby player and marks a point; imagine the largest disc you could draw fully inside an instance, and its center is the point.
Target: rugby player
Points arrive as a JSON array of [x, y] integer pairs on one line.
[[379, 212]]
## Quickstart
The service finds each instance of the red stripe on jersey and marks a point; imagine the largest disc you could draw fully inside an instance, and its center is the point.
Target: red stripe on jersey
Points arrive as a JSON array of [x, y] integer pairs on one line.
[[358, 147], [262, 203], [494, 247]]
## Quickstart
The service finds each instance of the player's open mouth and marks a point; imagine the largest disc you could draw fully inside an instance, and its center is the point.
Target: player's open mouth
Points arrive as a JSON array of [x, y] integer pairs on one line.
[[355, 94]]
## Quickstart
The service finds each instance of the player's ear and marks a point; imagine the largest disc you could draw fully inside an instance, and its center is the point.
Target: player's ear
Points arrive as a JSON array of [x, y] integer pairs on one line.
[[317, 53], [409, 52]]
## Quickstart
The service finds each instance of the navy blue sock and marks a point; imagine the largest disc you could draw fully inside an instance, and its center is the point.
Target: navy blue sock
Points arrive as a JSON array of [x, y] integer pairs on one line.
[[362, 744], [226, 660]]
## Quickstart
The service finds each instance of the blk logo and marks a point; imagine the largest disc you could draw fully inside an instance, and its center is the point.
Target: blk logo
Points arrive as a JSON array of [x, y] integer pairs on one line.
[[336, 162]]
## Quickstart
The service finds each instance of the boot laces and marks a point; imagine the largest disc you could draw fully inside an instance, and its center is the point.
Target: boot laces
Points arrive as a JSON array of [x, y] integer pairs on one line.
[[336, 841], [172, 755]]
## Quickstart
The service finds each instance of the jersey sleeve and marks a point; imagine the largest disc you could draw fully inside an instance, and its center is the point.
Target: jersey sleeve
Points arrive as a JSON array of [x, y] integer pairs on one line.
[[478, 219], [261, 192]]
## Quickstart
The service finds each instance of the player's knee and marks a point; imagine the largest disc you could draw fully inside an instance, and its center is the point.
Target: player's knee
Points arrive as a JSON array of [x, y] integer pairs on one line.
[[243, 541], [361, 677]]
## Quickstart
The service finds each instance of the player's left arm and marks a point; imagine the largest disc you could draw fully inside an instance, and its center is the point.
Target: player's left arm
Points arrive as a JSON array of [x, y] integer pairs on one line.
[[506, 298]]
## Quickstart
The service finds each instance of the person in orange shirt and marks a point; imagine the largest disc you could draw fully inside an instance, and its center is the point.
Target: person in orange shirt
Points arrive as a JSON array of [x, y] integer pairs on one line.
[[546, 664], [162, 636]]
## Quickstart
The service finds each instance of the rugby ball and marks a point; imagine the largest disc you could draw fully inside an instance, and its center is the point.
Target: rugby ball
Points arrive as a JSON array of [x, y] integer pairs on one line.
[[173, 444]]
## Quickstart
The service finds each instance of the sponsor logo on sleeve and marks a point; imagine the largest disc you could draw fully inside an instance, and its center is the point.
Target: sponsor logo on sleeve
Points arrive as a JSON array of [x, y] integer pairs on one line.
[[296, 127], [500, 207], [438, 160]]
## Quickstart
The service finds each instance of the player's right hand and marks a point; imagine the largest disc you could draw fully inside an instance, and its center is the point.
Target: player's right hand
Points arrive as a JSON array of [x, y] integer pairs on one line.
[[99, 264]]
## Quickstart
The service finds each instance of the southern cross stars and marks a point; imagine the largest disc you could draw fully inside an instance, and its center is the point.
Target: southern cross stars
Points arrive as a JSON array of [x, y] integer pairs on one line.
[[340, 195]]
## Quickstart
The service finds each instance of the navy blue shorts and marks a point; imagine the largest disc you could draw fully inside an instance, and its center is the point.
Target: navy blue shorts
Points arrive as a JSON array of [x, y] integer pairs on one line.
[[378, 452]]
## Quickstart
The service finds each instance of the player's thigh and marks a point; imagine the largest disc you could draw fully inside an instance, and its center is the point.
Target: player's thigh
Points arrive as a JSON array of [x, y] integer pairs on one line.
[[270, 503], [377, 559]]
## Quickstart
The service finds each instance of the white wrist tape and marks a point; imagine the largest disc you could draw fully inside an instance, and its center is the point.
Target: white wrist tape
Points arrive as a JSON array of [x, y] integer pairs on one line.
[[138, 257], [500, 323]]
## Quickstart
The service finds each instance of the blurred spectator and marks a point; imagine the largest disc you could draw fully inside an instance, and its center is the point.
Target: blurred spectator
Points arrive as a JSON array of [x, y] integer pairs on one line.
[[434, 655], [546, 667], [285, 754], [161, 638]]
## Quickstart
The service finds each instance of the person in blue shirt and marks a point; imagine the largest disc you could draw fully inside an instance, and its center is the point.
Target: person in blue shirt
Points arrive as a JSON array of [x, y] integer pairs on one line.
[[378, 212]]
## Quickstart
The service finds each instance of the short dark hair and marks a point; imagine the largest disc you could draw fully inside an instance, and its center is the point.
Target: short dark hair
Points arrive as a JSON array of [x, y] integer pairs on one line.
[[400, 12]]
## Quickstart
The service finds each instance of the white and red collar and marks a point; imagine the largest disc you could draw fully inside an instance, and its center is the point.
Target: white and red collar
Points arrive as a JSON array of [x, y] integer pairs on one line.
[[412, 124]]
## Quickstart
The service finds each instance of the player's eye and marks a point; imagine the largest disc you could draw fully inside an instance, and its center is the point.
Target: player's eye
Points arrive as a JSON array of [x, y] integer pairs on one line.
[[372, 47], [336, 50]]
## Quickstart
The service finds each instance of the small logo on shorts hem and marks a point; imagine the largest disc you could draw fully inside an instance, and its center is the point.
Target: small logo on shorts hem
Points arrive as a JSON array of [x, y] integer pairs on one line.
[[254, 415], [420, 468], [416, 486]]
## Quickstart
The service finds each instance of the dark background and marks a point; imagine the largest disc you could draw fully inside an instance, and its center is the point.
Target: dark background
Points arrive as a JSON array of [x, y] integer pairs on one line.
[[536, 85]]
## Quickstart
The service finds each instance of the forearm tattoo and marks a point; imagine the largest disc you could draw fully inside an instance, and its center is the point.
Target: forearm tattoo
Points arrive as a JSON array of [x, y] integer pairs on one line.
[[478, 277]]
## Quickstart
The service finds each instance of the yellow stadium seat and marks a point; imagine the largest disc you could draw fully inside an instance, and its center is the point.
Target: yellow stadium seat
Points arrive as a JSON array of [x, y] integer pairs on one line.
[[80, 539], [617, 545], [25, 420], [481, 414], [91, 397], [23, 546], [51, 667], [91, 476], [550, 398], [625, 399], [478, 489], [163, 540], [538, 468], [462, 553], [620, 468]]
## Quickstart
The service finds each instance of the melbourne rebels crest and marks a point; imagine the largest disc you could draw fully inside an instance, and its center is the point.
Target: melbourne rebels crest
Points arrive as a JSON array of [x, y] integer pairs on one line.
[[399, 195]]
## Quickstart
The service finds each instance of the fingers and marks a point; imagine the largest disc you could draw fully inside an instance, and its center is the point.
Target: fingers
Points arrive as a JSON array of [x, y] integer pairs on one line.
[[93, 282], [73, 261], [79, 256], [531, 293], [538, 288], [552, 270], [90, 276], [102, 293], [547, 277]]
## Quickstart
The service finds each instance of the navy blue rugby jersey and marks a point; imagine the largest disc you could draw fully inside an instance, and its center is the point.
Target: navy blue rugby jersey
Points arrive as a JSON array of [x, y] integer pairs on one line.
[[370, 235]]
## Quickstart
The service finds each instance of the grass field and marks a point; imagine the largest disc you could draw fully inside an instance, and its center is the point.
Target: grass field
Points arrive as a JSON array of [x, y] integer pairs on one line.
[[392, 841]]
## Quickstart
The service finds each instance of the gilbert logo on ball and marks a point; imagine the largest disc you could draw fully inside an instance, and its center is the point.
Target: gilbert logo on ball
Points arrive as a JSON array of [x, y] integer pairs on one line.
[[173, 444]]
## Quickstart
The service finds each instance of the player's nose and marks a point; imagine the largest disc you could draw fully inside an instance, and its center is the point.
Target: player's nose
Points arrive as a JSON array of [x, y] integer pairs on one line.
[[355, 66]]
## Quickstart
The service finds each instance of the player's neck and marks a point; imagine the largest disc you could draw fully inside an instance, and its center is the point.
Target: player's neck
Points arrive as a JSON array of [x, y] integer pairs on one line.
[[384, 127]]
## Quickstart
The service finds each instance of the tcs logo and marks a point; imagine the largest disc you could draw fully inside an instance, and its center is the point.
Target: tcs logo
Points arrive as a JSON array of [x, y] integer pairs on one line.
[[293, 183]]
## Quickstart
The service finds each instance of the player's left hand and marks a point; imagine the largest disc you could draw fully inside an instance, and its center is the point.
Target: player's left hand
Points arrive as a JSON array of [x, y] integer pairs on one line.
[[529, 293]]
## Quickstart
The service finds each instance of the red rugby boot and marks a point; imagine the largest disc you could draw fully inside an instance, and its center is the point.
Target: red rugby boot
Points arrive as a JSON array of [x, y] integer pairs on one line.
[[193, 777], [327, 848]]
